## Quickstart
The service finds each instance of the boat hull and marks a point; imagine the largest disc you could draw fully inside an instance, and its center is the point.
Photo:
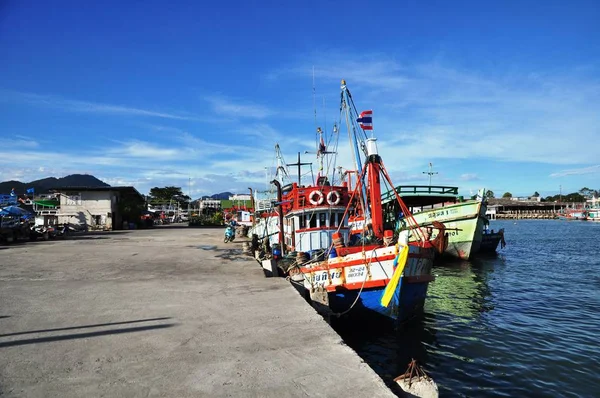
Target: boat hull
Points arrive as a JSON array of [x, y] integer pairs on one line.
[[266, 227], [349, 286], [490, 242], [407, 302], [465, 222]]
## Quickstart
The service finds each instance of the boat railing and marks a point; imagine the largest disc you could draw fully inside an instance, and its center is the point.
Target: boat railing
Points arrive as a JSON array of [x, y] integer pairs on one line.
[[417, 190]]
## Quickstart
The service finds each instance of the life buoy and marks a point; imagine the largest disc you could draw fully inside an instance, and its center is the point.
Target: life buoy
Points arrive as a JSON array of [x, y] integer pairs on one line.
[[316, 198], [333, 198]]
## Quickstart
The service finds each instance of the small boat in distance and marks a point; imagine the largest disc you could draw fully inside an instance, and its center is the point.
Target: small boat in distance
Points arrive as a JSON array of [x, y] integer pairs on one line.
[[573, 214], [593, 209]]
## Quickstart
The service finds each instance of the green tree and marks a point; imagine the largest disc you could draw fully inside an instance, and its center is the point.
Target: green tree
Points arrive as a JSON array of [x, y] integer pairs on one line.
[[489, 194], [573, 197], [168, 194], [586, 192], [536, 194], [507, 195]]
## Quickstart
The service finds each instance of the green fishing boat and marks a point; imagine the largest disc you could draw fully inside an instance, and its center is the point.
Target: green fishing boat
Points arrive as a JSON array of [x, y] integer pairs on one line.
[[464, 219]]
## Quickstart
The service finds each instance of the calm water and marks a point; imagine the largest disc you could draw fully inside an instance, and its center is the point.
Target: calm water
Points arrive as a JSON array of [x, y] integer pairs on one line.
[[523, 323]]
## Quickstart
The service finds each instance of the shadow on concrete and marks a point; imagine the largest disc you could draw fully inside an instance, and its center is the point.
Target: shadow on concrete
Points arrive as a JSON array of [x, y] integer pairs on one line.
[[85, 326], [4, 316], [51, 339], [105, 233], [83, 237], [179, 226]]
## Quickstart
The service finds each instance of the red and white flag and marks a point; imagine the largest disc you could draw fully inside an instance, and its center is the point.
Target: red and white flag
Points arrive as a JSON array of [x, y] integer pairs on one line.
[[366, 120]]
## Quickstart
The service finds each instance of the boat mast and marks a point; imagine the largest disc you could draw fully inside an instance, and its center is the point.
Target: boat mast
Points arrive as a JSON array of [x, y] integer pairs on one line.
[[299, 164], [345, 106], [281, 171], [430, 172], [374, 173]]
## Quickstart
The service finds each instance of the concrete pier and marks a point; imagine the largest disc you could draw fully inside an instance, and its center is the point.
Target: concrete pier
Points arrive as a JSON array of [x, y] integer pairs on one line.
[[166, 312]]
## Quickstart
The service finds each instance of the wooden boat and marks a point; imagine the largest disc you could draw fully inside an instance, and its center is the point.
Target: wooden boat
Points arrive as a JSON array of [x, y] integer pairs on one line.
[[579, 214], [464, 219], [379, 273], [593, 210], [490, 240]]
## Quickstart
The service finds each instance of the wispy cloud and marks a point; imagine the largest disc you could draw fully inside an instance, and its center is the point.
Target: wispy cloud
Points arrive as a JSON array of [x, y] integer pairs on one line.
[[469, 177], [238, 108], [580, 171], [437, 111], [380, 72], [70, 105], [140, 149], [18, 141]]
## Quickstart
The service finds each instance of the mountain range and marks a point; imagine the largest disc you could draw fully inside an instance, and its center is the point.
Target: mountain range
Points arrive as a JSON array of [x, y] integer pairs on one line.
[[74, 180], [46, 184]]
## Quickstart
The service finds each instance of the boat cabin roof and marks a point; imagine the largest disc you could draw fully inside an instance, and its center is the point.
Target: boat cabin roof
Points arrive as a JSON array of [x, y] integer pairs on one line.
[[422, 195]]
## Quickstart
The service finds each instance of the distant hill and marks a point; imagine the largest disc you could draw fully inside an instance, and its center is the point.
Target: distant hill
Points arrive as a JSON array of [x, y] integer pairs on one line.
[[46, 184], [221, 196]]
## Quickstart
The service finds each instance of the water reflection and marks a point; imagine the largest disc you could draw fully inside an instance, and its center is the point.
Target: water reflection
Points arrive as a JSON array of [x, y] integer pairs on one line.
[[520, 323], [388, 351]]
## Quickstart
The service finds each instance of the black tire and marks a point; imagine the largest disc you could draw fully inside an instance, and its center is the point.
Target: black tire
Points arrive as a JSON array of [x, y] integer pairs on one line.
[[226, 239]]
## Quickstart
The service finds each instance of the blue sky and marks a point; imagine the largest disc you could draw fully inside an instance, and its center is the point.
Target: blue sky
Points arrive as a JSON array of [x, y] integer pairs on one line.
[[503, 96]]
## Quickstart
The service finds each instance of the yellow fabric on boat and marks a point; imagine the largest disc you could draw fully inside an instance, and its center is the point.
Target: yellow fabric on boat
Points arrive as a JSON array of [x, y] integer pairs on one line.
[[388, 293]]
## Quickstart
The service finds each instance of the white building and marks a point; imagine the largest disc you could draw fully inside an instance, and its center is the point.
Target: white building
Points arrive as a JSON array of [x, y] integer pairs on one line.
[[98, 208], [235, 197], [210, 204], [526, 199], [491, 212]]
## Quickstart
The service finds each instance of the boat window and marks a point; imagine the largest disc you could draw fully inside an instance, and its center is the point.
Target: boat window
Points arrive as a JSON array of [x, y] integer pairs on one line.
[[312, 221], [322, 219], [333, 220], [302, 221]]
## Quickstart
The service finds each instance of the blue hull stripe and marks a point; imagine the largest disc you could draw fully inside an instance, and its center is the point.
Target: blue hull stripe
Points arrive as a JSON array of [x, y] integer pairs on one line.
[[408, 300]]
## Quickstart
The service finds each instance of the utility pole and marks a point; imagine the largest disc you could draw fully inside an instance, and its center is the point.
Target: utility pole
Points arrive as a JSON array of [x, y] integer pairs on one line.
[[299, 164], [430, 172], [189, 194], [560, 194]]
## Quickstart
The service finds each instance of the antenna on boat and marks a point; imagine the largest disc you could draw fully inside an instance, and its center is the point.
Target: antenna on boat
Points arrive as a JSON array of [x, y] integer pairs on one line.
[[314, 95], [281, 171], [430, 172], [299, 164]]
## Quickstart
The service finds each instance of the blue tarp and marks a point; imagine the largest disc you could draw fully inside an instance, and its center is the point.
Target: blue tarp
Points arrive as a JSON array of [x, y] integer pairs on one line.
[[8, 200], [15, 211]]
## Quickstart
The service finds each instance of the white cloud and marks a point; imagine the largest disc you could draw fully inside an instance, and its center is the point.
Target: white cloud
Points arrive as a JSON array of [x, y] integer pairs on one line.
[[19, 141], [580, 171], [435, 111], [423, 112], [233, 108], [469, 177], [139, 149], [69, 105]]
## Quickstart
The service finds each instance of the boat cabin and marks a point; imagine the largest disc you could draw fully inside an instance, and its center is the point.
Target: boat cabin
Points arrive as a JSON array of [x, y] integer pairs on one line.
[[313, 214]]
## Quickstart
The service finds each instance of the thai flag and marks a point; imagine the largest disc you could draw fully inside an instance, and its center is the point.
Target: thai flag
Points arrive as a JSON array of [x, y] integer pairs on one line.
[[366, 120]]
